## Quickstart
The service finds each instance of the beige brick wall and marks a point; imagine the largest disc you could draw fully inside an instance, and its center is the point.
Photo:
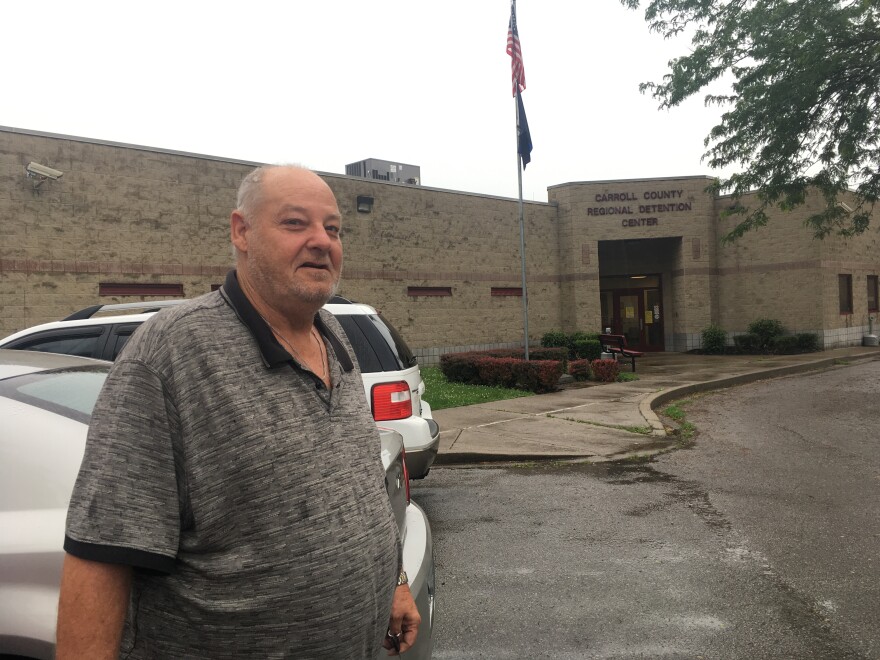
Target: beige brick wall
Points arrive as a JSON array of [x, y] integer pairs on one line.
[[424, 237], [131, 214], [117, 215], [135, 215], [858, 257], [781, 271]]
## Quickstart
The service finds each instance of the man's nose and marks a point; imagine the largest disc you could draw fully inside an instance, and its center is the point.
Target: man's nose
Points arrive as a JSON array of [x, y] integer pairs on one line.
[[319, 239]]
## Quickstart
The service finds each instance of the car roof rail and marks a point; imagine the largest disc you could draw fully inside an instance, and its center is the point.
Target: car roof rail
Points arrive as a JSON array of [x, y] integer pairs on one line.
[[339, 300], [143, 307]]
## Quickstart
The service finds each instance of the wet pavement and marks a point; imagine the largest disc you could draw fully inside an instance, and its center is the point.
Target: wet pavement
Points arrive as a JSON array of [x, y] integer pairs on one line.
[[600, 422]]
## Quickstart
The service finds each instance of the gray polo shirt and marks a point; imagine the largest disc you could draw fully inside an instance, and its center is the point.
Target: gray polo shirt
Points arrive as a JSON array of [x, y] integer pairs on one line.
[[249, 499]]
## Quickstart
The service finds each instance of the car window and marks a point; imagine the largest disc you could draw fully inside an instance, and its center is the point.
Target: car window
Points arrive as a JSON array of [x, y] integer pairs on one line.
[[70, 392], [369, 360], [376, 343], [395, 341], [81, 343], [120, 338]]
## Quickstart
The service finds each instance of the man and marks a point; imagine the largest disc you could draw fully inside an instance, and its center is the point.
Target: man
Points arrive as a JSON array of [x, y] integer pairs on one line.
[[231, 501]]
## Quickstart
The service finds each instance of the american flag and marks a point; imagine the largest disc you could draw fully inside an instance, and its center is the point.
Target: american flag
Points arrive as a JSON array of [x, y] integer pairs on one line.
[[515, 52]]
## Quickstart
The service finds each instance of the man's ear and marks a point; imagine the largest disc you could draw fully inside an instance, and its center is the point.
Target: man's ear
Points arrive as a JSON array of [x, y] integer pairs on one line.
[[238, 227]]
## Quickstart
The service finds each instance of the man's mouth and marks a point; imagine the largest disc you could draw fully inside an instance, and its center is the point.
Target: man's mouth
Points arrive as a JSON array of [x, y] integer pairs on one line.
[[315, 264]]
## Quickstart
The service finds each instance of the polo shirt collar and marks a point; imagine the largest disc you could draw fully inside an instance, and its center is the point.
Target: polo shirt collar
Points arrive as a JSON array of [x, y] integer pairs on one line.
[[272, 352]]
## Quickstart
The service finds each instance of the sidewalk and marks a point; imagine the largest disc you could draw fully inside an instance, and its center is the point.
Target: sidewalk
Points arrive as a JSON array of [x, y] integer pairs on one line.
[[591, 422]]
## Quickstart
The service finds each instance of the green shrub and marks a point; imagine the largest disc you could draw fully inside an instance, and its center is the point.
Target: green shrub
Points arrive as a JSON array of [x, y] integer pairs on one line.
[[577, 336], [605, 371], [766, 330], [587, 349], [557, 338], [714, 340], [554, 338], [785, 345], [579, 369], [808, 342], [747, 343]]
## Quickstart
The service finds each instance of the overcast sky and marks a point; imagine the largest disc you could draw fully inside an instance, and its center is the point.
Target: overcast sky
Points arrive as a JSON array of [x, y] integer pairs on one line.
[[329, 82]]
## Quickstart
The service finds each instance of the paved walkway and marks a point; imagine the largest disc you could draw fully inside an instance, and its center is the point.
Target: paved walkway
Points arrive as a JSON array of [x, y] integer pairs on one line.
[[613, 421]]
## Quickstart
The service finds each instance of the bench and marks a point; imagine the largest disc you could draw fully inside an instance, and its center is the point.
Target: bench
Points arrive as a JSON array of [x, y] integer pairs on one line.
[[616, 345]]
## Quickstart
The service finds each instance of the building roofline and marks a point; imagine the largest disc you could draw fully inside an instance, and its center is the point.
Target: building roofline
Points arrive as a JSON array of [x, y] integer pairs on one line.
[[655, 178], [252, 163], [126, 145], [410, 186]]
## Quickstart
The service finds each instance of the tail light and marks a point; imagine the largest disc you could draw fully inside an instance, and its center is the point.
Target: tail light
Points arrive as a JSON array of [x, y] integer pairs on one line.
[[405, 471], [391, 401]]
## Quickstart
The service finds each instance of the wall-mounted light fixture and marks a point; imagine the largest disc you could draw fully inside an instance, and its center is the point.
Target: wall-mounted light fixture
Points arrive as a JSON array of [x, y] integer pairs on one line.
[[364, 204], [637, 277]]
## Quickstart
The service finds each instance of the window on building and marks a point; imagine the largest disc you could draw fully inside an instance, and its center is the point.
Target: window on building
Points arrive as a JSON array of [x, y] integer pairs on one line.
[[844, 285], [429, 291], [506, 291], [873, 294]]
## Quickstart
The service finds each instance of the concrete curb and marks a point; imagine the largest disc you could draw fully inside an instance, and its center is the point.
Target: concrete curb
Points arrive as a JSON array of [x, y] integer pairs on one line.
[[649, 404], [647, 407]]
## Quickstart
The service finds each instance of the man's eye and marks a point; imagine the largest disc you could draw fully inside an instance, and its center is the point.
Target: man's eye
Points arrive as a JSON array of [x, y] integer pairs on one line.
[[293, 222], [333, 229]]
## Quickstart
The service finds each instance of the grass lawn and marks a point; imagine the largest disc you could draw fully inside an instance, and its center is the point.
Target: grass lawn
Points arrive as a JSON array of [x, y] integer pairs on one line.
[[440, 393]]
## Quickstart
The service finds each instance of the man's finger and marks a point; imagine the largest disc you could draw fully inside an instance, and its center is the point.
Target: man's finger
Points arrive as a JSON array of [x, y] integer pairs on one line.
[[408, 638]]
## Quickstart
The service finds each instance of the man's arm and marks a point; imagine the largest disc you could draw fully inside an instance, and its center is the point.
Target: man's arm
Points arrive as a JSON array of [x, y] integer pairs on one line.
[[91, 609], [405, 620]]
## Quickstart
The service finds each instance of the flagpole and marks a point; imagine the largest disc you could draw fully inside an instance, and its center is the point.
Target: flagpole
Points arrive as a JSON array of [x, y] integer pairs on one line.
[[523, 153], [522, 239]]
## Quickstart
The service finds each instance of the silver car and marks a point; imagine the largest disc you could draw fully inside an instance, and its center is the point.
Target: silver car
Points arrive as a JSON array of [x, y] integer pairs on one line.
[[45, 404]]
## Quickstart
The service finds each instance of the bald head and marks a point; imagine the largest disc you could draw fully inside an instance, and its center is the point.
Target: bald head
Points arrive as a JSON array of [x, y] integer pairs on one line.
[[250, 192]]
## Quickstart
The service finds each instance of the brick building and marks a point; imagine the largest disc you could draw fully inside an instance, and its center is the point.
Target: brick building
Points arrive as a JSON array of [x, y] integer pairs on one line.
[[640, 256]]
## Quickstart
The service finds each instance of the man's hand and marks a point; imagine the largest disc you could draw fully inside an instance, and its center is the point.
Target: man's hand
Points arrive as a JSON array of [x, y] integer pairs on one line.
[[404, 623]]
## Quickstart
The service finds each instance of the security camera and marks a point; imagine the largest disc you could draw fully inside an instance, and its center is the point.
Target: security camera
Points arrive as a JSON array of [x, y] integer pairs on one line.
[[37, 170]]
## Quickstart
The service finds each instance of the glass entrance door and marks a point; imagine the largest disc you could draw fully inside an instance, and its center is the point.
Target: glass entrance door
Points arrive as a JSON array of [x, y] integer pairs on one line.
[[635, 313], [631, 316], [653, 334]]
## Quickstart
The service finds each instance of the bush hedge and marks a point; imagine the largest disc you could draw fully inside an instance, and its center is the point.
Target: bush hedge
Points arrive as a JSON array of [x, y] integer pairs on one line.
[[785, 345], [605, 371], [506, 368], [579, 369], [587, 349], [808, 342], [767, 330], [571, 342], [714, 340], [538, 375], [554, 338], [460, 367], [747, 343], [751, 342]]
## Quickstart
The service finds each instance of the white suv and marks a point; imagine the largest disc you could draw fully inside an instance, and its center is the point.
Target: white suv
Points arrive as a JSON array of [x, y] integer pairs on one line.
[[392, 380]]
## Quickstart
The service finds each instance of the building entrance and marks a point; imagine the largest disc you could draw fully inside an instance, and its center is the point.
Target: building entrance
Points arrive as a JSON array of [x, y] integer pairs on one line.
[[633, 307]]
